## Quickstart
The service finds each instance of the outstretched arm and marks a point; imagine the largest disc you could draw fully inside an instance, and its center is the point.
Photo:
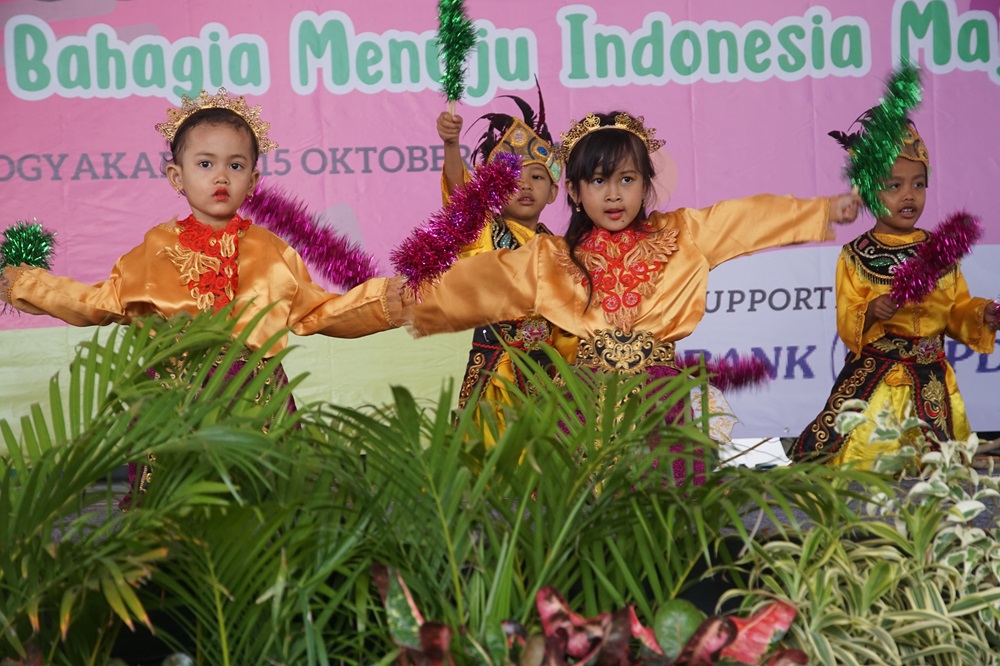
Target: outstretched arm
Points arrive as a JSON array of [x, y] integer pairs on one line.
[[449, 128], [36, 291], [477, 290], [737, 227]]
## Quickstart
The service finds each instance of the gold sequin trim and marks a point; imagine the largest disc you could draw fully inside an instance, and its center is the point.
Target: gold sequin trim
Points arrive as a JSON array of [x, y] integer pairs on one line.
[[384, 302]]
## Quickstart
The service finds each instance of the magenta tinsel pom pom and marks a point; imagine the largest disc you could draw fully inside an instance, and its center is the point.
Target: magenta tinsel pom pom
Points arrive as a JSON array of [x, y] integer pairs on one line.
[[915, 278], [734, 374], [434, 246], [334, 257]]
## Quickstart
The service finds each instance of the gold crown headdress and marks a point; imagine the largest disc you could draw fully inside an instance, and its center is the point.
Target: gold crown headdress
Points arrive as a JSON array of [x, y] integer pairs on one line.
[[623, 121], [523, 141], [220, 100]]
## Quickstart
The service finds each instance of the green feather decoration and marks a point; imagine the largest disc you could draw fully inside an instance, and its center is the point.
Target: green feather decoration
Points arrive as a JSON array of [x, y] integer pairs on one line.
[[878, 146], [26, 243], [456, 37]]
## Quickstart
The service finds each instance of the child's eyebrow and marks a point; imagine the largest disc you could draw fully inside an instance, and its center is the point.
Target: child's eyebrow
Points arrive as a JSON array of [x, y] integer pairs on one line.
[[234, 156]]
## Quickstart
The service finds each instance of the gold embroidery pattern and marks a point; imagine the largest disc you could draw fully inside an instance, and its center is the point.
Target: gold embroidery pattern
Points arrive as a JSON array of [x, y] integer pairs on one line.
[[925, 350], [822, 428], [618, 351], [859, 329], [472, 374], [206, 260], [874, 260], [529, 333], [934, 396]]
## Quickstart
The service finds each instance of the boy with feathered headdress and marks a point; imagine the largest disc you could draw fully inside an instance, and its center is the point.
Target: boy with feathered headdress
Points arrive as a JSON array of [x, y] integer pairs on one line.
[[489, 368]]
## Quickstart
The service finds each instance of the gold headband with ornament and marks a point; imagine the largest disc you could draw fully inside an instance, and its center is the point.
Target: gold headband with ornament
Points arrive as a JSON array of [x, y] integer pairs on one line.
[[623, 121], [913, 148], [220, 100], [521, 140]]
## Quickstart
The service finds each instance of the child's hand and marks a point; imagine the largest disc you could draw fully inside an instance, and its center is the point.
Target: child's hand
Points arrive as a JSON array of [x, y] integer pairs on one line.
[[844, 208], [7, 277], [881, 309], [992, 315], [449, 128]]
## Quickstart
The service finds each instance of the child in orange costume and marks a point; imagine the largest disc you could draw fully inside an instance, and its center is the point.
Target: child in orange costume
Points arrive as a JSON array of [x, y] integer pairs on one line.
[[627, 282], [213, 256]]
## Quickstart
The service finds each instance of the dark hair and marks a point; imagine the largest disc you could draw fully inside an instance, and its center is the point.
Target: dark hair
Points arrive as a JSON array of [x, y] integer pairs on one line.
[[212, 116], [499, 123], [605, 150]]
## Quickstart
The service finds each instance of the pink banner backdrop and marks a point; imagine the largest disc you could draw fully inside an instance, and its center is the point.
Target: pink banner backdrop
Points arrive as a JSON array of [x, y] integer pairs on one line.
[[743, 94]]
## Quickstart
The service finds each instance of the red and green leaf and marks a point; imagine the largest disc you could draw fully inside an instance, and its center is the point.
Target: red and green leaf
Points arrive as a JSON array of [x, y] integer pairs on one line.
[[584, 637], [707, 644], [402, 615], [757, 633], [644, 634]]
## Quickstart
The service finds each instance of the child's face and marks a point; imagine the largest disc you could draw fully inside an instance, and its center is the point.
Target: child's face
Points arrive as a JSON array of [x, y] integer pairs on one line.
[[611, 201], [216, 172], [904, 194], [535, 191]]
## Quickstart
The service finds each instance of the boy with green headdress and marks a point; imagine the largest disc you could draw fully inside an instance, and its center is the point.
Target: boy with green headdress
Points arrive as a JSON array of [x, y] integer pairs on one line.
[[897, 357]]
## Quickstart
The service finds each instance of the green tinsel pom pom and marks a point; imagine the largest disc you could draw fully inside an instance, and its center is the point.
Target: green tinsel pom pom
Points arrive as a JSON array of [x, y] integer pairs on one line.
[[26, 243], [456, 37], [874, 154]]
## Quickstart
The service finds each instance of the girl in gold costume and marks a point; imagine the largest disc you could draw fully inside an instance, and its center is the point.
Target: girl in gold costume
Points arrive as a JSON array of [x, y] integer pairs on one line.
[[212, 257], [626, 281]]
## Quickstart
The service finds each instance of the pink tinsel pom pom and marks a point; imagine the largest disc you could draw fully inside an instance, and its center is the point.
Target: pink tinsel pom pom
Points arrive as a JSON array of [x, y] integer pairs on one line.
[[915, 278], [434, 246], [339, 260], [733, 374]]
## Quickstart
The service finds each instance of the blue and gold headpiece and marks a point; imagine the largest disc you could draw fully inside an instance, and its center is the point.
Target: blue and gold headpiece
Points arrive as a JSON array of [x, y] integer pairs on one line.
[[522, 141], [529, 138]]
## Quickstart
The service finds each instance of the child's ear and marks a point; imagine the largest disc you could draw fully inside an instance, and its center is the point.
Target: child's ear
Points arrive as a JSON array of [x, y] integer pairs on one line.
[[254, 179], [553, 193], [174, 176], [571, 191]]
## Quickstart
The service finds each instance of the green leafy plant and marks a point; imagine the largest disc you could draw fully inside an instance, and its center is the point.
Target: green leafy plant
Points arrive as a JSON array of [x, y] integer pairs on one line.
[[910, 579], [256, 538]]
